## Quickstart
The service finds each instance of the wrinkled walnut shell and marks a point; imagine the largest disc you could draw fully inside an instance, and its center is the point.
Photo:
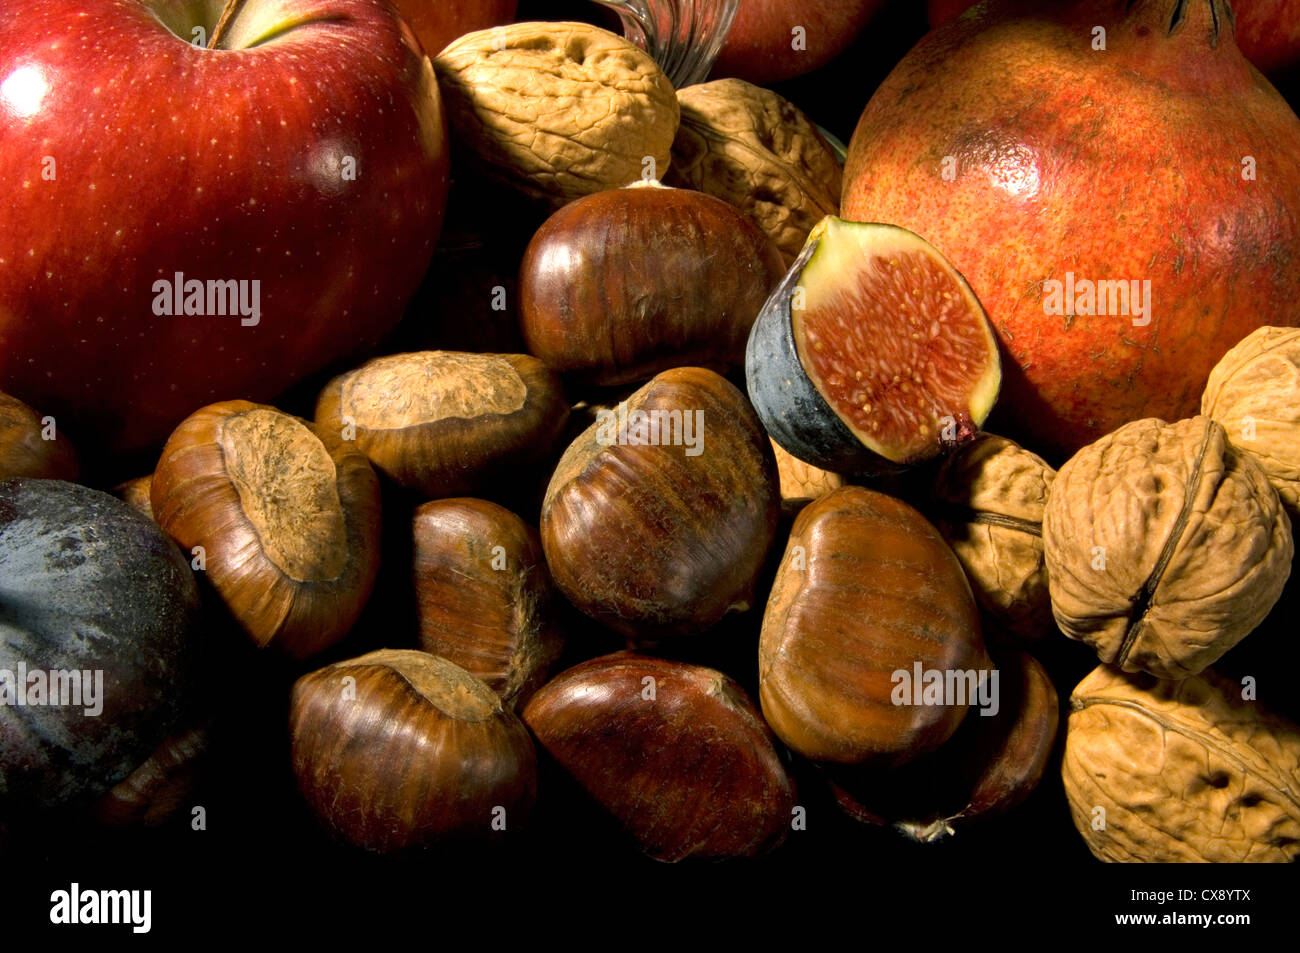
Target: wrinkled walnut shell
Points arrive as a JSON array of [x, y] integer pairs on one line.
[[1254, 392], [557, 110], [1165, 546], [1177, 772], [800, 481], [991, 494], [750, 147]]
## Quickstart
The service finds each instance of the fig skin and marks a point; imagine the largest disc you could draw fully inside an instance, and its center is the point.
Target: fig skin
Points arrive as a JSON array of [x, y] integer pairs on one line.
[[690, 773], [654, 543], [484, 594], [418, 753], [88, 584], [866, 587], [620, 285]]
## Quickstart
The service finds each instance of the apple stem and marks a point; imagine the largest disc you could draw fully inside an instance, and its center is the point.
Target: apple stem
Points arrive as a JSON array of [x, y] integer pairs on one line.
[[227, 14]]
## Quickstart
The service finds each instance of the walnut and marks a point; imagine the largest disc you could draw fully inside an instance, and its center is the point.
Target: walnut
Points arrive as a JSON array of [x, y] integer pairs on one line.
[[750, 147], [558, 110], [990, 495], [1169, 772], [1254, 391], [801, 482], [1165, 546]]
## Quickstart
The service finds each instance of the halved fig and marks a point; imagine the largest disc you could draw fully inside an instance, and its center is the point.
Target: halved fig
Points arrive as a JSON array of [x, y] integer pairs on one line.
[[873, 353]]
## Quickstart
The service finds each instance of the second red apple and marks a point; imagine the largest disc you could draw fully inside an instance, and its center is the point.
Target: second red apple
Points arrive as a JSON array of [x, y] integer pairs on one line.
[[772, 40]]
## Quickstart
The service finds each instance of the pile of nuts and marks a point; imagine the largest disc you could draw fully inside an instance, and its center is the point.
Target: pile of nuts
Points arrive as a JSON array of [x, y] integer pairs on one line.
[[617, 481]]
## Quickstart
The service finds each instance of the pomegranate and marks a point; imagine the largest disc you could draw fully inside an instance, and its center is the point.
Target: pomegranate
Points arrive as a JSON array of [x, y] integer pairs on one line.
[[1125, 215], [1268, 31]]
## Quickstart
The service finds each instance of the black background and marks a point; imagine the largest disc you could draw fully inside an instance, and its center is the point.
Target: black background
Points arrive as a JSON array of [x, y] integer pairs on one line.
[[263, 869]]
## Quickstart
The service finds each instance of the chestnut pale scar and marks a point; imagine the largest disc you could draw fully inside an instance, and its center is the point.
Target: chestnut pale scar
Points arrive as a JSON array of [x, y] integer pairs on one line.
[[406, 390], [288, 490], [444, 685]]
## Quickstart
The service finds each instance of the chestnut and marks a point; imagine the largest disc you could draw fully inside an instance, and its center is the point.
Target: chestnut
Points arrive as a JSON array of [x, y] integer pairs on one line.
[[135, 494], [677, 753], [619, 285], [99, 619], [659, 516], [286, 515], [401, 749], [988, 767], [484, 595], [871, 649], [32, 446], [155, 791], [446, 423]]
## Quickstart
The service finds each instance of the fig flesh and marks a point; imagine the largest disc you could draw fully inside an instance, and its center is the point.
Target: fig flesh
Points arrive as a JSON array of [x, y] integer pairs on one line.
[[873, 353]]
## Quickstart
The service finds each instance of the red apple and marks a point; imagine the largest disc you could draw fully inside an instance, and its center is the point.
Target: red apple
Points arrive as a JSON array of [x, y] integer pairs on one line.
[[765, 44], [302, 162], [941, 11], [1268, 31], [438, 22]]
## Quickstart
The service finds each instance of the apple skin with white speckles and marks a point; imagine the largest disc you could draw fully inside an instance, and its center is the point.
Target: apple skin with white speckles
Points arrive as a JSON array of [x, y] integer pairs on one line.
[[307, 152]]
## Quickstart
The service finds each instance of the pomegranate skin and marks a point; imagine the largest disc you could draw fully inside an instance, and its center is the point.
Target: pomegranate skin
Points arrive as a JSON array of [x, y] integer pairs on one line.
[[1128, 163], [1268, 31]]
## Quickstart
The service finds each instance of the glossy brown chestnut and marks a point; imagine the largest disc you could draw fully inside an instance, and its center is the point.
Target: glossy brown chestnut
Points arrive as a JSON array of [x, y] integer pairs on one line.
[[484, 595], [677, 753], [32, 446], [157, 790], [654, 537], [446, 423], [989, 766], [625, 283], [867, 589], [400, 749], [287, 516], [135, 494]]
